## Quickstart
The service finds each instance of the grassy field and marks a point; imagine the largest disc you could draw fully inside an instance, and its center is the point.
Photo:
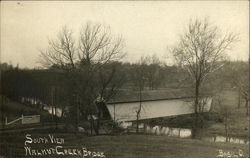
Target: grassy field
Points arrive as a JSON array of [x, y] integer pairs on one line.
[[126, 146], [239, 123]]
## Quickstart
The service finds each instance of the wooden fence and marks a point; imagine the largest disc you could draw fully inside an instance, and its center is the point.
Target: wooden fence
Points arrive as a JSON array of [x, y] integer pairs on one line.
[[25, 119]]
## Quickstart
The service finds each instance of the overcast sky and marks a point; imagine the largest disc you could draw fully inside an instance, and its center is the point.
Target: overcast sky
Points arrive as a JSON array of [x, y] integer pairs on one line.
[[147, 27]]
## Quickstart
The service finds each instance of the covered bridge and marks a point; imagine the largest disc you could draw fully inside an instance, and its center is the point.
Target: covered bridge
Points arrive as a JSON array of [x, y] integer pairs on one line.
[[154, 105]]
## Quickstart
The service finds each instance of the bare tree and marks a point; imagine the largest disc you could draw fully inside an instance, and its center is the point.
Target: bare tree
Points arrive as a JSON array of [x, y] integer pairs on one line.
[[200, 50], [82, 58], [109, 80], [96, 45], [240, 77], [60, 52], [140, 83], [225, 112]]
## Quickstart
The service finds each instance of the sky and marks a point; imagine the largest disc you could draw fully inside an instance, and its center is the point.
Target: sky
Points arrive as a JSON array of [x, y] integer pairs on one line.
[[147, 27]]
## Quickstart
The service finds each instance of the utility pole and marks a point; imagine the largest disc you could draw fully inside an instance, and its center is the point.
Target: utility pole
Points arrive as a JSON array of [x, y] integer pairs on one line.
[[52, 104], [114, 112], [2, 98], [55, 92], [239, 97], [114, 119], [77, 112]]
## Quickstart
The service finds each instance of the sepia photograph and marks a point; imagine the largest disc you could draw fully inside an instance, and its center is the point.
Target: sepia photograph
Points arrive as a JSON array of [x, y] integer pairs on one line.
[[124, 79]]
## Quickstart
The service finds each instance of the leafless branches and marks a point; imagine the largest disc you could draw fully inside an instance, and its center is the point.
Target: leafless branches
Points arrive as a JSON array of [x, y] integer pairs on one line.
[[60, 52], [201, 48], [86, 60], [95, 45]]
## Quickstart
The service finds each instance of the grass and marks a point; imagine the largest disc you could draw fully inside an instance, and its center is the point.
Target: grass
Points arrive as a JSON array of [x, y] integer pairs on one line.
[[126, 146], [239, 124]]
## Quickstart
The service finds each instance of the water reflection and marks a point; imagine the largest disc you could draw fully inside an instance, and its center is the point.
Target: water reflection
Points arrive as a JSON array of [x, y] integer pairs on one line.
[[172, 132], [223, 139], [187, 133]]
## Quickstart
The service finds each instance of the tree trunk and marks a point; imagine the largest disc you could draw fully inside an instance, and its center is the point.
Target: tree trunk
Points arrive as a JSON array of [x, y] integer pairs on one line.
[[137, 122], [138, 114], [96, 128], [98, 123], [63, 111], [247, 107], [226, 126], [196, 114], [52, 105], [226, 129], [55, 100], [76, 104], [91, 124], [239, 98], [3, 110]]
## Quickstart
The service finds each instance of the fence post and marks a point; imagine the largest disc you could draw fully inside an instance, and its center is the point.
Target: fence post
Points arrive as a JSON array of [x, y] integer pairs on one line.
[[22, 118]]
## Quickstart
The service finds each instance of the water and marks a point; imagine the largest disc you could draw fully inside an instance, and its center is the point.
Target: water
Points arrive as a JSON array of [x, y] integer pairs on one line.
[[167, 131], [50, 109], [187, 133]]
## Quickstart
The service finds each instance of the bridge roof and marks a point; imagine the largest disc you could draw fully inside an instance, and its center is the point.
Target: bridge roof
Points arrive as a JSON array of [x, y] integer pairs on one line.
[[126, 111], [129, 96]]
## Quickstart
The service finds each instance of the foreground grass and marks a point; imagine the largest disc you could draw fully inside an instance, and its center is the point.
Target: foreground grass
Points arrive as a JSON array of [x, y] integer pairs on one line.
[[126, 146]]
